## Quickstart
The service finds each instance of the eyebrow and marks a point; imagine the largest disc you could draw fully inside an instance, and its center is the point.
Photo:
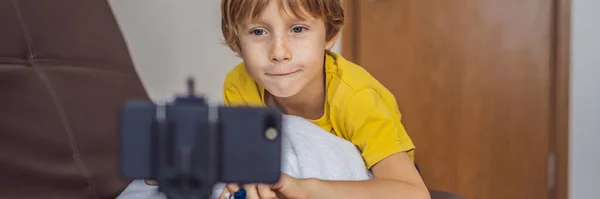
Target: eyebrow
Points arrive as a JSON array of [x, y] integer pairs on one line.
[[254, 23], [291, 20]]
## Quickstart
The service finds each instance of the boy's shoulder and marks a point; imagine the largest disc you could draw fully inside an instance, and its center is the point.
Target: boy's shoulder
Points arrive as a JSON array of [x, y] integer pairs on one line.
[[238, 76], [349, 78]]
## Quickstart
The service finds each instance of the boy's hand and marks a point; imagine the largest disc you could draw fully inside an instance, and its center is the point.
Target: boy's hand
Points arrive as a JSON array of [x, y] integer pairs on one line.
[[292, 188], [287, 187], [253, 191]]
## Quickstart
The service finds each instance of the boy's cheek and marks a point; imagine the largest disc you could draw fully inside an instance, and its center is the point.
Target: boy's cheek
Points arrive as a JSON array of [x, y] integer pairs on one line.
[[254, 48]]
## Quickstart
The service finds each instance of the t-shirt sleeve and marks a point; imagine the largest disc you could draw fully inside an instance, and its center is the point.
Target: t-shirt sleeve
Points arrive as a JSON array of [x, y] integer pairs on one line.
[[231, 95], [239, 89], [374, 126]]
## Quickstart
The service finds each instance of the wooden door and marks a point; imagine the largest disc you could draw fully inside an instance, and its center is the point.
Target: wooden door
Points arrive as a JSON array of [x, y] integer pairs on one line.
[[474, 82]]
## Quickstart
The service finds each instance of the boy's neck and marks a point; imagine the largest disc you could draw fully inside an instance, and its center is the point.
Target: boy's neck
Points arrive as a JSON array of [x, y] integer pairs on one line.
[[308, 103]]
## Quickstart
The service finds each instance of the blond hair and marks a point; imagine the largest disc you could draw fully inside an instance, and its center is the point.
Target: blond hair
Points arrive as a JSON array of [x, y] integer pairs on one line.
[[235, 12]]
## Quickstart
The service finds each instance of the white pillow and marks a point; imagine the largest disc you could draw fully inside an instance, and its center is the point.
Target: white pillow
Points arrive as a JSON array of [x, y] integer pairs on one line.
[[311, 152]]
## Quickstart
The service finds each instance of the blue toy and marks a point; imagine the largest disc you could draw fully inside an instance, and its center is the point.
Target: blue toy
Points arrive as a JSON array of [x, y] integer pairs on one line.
[[241, 194]]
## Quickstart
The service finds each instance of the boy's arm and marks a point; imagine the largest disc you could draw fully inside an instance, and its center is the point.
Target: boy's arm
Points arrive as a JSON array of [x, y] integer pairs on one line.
[[374, 126], [395, 177]]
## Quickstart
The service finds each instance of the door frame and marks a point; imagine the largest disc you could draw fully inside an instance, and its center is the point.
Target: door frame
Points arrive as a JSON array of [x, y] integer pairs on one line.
[[350, 31], [561, 53], [559, 142]]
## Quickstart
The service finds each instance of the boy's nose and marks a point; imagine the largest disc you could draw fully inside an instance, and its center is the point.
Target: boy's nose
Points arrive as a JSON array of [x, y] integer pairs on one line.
[[280, 51]]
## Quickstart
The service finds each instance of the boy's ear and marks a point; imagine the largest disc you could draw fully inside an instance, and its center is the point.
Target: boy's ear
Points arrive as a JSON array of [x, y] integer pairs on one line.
[[332, 41]]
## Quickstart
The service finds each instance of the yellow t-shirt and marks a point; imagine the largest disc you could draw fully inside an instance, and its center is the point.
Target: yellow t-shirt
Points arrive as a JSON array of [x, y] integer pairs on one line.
[[357, 108]]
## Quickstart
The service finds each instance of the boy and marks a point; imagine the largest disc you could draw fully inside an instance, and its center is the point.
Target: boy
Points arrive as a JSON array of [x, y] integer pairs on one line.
[[287, 64]]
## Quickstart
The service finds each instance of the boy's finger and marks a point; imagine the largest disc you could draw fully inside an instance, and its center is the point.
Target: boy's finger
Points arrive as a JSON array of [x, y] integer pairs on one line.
[[232, 187], [264, 191], [151, 182], [251, 192]]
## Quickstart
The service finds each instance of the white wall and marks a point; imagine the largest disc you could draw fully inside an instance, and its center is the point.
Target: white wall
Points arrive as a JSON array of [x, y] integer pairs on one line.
[[172, 39], [584, 154]]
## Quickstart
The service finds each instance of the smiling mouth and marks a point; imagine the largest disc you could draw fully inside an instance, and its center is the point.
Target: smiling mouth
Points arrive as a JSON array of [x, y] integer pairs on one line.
[[282, 74]]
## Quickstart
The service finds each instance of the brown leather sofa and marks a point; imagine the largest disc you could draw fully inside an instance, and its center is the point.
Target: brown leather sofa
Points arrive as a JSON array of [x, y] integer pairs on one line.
[[64, 72]]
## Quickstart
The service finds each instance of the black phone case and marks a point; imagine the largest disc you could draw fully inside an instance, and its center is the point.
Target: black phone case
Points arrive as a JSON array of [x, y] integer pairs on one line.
[[247, 154], [243, 153], [137, 139]]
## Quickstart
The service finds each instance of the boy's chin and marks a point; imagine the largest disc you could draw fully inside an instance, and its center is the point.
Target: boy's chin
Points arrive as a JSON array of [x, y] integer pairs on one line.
[[283, 93]]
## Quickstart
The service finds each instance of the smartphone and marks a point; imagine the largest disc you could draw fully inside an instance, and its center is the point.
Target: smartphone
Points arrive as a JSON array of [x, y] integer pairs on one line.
[[207, 144]]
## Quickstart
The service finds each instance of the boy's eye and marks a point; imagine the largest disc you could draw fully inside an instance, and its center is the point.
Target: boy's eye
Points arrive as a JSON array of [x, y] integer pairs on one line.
[[258, 32], [297, 29]]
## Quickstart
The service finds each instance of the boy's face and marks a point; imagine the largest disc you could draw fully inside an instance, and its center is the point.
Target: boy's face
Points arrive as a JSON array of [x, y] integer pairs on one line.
[[283, 53]]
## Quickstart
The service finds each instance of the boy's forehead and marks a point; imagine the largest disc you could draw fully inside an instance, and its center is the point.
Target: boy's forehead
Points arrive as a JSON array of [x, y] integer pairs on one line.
[[278, 9]]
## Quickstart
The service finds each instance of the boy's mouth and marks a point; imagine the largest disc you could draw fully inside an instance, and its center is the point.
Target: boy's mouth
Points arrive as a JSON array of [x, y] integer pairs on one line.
[[282, 74]]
